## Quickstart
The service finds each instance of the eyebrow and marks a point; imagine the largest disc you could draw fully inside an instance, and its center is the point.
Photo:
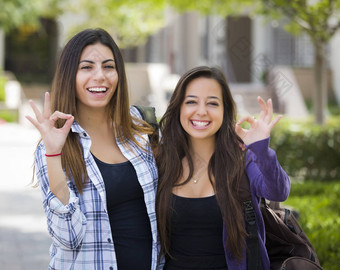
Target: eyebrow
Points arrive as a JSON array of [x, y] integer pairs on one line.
[[192, 96], [92, 62]]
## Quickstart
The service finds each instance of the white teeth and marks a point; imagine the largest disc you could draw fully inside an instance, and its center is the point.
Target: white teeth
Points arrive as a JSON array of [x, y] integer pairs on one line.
[[200, 124], [97, 89]]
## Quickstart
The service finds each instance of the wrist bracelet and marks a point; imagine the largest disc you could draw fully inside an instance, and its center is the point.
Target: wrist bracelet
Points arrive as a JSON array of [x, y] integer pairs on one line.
[[55, 155]]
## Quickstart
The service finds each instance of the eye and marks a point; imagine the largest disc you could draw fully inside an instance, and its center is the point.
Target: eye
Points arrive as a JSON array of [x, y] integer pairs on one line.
[[85, 67], [213, 104], [190, 102], [109, 66]]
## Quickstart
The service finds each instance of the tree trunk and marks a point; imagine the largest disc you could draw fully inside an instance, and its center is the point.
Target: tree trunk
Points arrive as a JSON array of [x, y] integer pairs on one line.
[[320, 87]]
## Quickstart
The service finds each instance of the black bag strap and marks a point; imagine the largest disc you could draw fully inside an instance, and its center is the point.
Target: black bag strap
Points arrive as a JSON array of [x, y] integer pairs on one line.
[[254, 259]]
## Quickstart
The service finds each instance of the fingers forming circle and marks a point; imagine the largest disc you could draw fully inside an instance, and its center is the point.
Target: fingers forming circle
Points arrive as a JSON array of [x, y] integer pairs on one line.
[[53, 118]]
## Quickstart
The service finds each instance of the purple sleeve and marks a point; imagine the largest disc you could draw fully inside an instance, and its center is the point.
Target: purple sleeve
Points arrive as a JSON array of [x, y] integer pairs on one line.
[[266, 176]]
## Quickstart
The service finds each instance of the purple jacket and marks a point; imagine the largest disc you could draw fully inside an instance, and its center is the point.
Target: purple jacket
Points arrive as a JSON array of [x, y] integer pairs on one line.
[[268, 180]]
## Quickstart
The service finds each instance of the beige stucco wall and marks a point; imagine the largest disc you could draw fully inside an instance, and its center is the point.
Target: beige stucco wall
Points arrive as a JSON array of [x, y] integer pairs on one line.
[[305, 79]]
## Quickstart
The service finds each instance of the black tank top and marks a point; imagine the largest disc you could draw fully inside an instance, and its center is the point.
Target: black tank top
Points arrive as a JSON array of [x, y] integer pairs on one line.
[[130, 225], [196, 234]]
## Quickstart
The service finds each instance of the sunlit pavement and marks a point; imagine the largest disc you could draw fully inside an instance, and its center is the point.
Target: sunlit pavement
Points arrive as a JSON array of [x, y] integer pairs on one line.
[[24, 241]]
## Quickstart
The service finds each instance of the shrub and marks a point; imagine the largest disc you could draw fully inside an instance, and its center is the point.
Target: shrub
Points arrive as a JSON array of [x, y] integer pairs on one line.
[[318, 204], [9, 116], [306, 150], [2, 87]]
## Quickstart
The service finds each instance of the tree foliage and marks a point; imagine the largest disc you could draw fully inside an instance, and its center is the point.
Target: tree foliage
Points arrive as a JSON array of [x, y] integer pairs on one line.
[[18, 13], [320, 20], [130, 21]]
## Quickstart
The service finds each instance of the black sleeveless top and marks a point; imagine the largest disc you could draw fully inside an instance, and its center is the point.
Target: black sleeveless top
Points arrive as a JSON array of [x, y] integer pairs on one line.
[[196, 234], [130, 225]]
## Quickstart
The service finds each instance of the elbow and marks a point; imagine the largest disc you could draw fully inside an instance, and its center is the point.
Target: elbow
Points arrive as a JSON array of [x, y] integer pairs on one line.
[[278, 191], [69, 236], [72, 243], [284, 189]]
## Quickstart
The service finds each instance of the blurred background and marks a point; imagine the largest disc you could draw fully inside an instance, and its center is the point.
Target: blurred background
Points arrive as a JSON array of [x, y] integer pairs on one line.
[[287, 51]]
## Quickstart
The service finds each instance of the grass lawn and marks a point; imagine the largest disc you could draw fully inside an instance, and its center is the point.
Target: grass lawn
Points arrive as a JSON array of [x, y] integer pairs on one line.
[[319, 206]]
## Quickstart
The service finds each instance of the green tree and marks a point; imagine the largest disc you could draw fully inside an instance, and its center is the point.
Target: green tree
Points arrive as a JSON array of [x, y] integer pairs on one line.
[[320, 20], [17, 12], [217, 7], [130, 21]]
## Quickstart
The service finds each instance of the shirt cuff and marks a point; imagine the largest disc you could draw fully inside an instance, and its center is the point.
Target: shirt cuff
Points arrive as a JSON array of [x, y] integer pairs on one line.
[[58, 207], [260, 147]]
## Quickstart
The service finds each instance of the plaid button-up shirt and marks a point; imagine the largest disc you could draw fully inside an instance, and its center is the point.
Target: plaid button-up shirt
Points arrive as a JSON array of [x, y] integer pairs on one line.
[[80, 230]]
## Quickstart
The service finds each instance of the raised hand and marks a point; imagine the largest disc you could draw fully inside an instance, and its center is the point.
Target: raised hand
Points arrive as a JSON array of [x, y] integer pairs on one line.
[[54, 138], [259, 128]]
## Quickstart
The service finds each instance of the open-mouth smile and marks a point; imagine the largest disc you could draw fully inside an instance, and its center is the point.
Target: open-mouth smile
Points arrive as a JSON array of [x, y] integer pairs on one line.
[[97, 89], [200, 124]]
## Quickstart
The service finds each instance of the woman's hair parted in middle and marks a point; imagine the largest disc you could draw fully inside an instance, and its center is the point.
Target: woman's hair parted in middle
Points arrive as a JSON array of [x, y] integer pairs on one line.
[[63, 98], [226, 164]]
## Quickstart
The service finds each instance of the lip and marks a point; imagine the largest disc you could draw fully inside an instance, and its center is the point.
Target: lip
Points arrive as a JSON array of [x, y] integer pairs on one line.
[[200, 124]]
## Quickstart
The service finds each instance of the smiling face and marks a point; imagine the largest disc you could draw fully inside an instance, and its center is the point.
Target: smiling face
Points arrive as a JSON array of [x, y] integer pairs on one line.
[[97, 77], [201, 113]]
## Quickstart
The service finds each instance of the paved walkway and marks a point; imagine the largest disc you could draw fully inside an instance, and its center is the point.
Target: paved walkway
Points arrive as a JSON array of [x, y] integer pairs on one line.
[[24, 242]]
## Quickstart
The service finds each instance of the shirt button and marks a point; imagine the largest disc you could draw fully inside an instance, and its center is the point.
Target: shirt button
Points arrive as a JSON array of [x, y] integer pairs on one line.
[[85, 135], [111, 268], [109, 240]]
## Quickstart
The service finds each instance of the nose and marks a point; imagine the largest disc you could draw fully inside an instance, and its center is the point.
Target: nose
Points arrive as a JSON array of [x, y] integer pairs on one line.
[[201, 110], [99, 74]]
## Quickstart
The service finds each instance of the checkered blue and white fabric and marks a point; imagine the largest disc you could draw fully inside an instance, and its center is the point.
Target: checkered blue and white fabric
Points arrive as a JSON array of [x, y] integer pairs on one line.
[[81, 229]]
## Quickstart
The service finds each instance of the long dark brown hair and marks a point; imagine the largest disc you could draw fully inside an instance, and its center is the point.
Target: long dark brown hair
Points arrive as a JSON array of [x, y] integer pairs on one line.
[[226, 164], [63, 98]]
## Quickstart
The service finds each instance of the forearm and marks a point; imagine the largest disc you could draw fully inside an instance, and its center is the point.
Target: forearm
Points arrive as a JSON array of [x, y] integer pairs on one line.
[[268, 177], [66, 223], [57, 179]]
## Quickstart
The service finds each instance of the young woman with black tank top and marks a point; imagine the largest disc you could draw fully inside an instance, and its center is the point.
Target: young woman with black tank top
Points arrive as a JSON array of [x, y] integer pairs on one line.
[[201, 158], [94, 164]]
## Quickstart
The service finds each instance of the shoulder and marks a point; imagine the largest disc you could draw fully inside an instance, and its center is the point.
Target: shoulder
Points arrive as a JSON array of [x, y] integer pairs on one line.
[[135, 112]]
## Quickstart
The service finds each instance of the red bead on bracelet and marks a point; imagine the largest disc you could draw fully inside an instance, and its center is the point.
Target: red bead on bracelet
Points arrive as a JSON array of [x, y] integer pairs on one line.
[[55, 155]]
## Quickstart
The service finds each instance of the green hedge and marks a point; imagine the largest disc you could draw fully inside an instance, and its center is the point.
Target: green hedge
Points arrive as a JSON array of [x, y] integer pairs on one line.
[[9, 116], [318, 204], [306, 150], [2, 87]]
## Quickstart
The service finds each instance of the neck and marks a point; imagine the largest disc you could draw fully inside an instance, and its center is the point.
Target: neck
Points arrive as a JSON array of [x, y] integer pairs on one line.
[[94, 119], [202, 149]]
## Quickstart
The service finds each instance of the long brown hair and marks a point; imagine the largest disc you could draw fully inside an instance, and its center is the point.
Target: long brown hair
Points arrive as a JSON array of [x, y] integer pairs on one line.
[[226, 164], [63, 98]]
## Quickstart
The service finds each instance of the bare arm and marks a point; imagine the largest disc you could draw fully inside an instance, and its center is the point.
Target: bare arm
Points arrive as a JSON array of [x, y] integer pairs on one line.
[[54, 140]]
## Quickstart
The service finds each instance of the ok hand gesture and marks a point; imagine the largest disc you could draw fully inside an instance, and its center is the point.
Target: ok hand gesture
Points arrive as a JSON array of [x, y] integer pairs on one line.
[[54, 138], [259, 128]]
